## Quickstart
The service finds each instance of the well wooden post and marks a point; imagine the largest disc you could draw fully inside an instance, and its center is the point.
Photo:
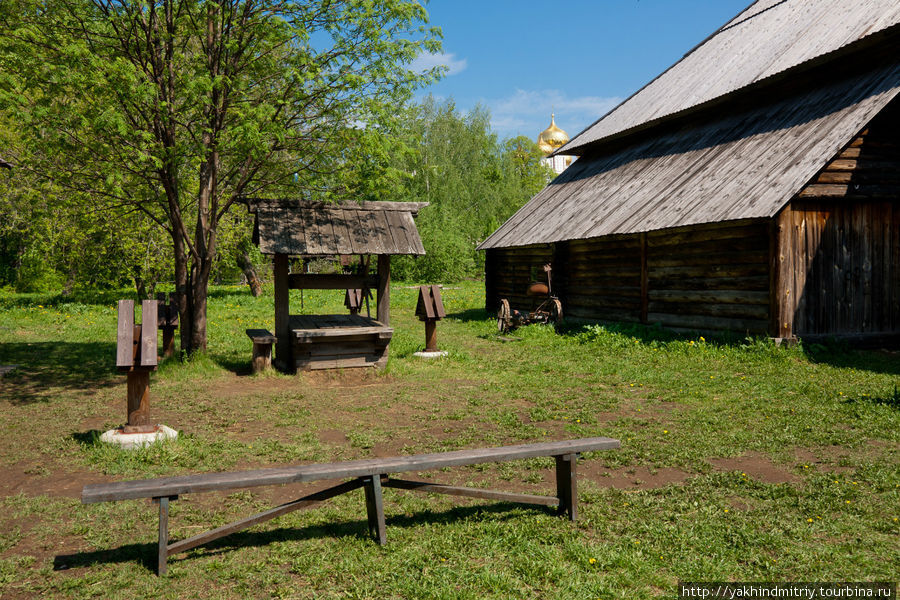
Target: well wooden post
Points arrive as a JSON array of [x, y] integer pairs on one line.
[[383, 297], [283, 359]]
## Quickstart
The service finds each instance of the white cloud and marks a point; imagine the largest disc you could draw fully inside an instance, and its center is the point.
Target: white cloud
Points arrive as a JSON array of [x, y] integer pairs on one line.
[[430, 60], [527, 112]]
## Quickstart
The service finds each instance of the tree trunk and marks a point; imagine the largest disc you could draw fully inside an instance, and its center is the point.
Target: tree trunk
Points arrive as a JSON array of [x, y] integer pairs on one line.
[[246, 265], [182, 289], [198, 317]]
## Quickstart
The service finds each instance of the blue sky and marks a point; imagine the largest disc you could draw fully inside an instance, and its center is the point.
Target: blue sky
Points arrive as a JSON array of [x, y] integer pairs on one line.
[[579, 58]]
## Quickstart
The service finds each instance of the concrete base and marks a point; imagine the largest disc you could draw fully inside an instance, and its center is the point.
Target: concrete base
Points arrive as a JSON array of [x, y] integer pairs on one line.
[[435, 354], [130, 441]]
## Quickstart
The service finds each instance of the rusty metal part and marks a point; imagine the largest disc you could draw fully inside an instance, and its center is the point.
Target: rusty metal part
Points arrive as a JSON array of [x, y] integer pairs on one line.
[[538, 289]]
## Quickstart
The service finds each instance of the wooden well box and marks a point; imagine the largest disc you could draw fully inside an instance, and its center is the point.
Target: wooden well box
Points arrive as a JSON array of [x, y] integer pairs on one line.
[[338, 341]]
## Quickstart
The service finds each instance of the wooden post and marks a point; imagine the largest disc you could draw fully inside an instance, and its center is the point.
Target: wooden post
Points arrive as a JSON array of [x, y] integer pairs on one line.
[[566, 485], [781, 301], [162, 556], [283, 358], [645, 280], [138, 401], [383, 298], [431, 336], [375, 508]]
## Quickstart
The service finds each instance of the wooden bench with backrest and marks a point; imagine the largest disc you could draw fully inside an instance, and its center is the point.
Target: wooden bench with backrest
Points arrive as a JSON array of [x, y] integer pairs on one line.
[[370, 474]]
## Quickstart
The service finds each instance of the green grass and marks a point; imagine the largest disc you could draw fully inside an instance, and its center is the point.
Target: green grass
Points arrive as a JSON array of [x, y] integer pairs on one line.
[[825, 420]]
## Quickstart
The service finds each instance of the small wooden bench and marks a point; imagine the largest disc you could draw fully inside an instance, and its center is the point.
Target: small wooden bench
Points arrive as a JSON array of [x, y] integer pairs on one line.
[[262, 348], [370, 474]]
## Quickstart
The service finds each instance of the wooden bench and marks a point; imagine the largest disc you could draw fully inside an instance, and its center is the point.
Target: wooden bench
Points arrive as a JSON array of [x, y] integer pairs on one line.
[[370, 474], [262, 348]]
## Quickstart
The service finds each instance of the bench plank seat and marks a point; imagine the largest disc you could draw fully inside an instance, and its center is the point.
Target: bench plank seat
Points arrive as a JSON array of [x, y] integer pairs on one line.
[[371, 474], [185, 484]]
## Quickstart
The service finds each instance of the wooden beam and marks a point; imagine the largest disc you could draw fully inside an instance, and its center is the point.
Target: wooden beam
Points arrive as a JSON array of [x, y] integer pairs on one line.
[[567, 485], [305, 502], [125, 335], [149, 336], [781, 302], [645, 280], [283, 358], [314, 281], [375, 508], [437, 488], [185, 484], [383, 297], [162, 554]]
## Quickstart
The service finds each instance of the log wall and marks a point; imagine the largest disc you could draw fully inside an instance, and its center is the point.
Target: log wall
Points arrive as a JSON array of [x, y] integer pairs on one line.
[[508, 271], [710, 277]]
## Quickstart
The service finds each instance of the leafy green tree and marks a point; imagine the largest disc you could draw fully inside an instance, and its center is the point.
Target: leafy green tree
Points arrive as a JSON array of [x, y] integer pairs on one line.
[[177, 108], [472, 180]]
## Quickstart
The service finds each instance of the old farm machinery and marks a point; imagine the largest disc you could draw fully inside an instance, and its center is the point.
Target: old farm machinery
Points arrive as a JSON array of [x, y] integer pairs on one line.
[[548, 311]]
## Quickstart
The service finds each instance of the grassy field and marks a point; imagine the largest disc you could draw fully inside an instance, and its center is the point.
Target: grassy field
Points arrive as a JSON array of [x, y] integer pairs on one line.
[[739, 460]]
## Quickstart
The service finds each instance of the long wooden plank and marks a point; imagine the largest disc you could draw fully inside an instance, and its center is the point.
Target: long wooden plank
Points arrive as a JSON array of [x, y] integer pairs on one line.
[[219, 532], [149, 335], [437, 488], [338, 220], [398, 232], [173, 486], [328, 281], [125, 334], [303, 334]]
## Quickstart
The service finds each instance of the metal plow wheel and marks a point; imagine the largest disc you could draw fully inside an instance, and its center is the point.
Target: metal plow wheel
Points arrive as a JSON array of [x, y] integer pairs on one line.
[[556, 311], [504, 316]]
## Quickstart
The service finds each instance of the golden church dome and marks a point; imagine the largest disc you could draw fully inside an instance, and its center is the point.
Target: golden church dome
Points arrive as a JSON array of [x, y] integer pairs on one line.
[[552, 138]]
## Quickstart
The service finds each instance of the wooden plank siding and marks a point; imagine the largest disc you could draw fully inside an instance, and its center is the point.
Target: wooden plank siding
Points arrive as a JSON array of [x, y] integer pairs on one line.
[[713, 277], [844, 236]]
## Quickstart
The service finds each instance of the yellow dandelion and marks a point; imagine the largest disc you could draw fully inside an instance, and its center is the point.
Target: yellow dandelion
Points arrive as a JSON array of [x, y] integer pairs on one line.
[[592, 560], [726, 510], [809, 520], [702, 339], [665, 431], [848, 502]]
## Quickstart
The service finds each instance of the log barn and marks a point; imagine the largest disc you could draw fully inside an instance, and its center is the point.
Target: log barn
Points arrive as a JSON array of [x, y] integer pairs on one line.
[[753, 187]]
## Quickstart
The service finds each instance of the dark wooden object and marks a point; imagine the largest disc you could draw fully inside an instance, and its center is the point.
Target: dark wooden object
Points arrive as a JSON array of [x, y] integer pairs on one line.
[[331, 341], [338, 341], [136, 347], [371, 474], [355, 298], [262, 348], [430, 309]]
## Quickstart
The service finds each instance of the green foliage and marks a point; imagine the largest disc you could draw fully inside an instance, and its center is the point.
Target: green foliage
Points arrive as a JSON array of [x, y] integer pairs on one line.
[[173, 110], [472, 181], [740, 460]]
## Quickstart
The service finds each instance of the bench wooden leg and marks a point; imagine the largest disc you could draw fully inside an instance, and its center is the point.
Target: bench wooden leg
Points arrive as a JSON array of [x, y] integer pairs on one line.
[[375, 508], [163, 555], [567, 485]]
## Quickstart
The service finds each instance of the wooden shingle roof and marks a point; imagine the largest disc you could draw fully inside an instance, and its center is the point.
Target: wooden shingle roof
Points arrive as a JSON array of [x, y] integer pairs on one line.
[[768, 38], [303, 228], [742, 163]]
